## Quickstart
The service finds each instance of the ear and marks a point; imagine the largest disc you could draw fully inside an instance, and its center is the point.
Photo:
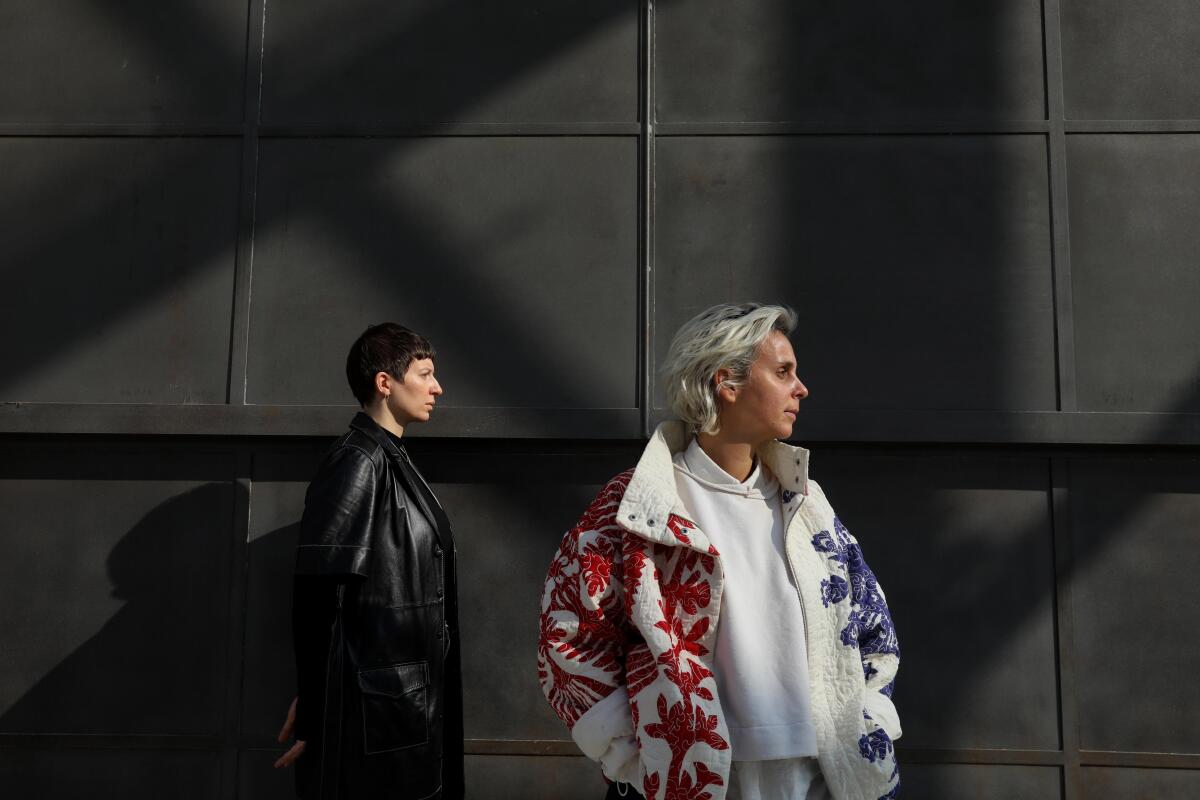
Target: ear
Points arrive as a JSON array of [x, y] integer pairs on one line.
[[725, 393], [383, 384]]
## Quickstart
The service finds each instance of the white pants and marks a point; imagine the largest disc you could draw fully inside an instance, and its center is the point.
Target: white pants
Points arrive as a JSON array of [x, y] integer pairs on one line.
[[786, 779]]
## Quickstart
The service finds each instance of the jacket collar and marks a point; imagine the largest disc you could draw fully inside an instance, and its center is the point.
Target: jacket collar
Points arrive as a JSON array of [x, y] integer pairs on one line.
[[416, 484], [650, 498], [362, 422]]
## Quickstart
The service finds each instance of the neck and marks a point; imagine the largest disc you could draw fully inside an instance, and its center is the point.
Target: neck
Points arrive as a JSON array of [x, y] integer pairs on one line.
[[734, 455], [383, 417]]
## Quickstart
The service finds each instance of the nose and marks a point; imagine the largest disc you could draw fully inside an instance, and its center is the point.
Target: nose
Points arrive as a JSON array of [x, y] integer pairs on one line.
[[436, 389], [801, 390]]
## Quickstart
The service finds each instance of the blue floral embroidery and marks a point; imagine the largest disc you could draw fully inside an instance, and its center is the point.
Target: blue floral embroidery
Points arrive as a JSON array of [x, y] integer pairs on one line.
[[823, 542], [870, 624], [833, 590], [787, 496], [875, 746], [854, 558]]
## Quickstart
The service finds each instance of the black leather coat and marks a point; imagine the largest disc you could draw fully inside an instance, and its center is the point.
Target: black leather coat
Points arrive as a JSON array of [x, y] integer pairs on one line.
[[392, 722]]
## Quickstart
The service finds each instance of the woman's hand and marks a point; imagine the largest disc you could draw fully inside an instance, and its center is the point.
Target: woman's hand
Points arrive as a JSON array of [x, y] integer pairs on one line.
[[285, 733]]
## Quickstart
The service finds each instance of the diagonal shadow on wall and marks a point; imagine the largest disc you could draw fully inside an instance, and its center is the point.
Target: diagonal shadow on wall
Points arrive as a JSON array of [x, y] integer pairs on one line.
[[177, 254]]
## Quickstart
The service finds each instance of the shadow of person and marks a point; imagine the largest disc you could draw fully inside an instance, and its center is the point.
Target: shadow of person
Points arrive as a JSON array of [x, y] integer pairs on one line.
[[270, 674], [159, 665]]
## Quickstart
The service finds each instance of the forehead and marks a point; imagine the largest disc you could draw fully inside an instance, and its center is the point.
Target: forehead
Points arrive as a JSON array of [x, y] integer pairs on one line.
[[776, 349], [420, 364]]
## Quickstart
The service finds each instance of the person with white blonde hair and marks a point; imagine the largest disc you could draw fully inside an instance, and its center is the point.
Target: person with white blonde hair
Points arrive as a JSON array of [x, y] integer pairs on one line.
[[709, 628]]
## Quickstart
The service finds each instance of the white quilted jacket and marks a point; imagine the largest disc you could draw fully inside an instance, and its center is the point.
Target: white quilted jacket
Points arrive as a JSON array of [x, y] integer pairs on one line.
[[629, 619]]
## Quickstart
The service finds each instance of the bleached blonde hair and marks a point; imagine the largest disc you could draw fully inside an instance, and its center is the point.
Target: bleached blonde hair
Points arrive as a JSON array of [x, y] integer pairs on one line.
[[725, 336]]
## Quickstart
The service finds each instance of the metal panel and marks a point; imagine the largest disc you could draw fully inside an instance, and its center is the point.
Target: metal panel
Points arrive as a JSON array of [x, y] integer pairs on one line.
[[259, 780], [1064, 306], [920, 266], [546, 778], [1131, 60], [432, 61], [517, 257], [270, 681], [488, 777], [132, 61], [796, 60], [1137, 555], [117, 587], [865, 426], [1133, 202], [979, 782], [509, 513], [962, 546], [118, 267], [1106, 783], [109, 774]]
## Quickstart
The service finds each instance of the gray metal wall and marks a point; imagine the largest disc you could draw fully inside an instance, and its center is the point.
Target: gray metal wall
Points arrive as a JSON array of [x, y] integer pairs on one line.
[[985, 213]]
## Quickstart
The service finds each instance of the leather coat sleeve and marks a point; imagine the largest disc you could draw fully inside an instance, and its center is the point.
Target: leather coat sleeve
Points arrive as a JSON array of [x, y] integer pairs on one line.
[[339, 511]]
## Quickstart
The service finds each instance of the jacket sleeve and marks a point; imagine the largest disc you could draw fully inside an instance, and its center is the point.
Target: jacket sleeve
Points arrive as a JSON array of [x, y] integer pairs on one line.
[[581, 647], [877, 644], [339, 511]]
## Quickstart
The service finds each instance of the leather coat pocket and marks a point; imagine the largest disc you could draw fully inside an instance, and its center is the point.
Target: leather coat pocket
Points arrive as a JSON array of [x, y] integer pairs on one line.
[[395, 706]]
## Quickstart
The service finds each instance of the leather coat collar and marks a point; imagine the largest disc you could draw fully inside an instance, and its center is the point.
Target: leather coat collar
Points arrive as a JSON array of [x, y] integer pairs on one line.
[[363, 422]]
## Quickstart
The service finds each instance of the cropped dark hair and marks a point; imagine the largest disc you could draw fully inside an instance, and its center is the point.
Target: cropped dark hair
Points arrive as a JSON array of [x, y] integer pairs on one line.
[[387, 347]]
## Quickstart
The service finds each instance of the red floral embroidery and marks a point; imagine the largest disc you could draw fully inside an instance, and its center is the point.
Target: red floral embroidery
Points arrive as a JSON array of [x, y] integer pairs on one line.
[[683, 725], [573, 692], [640, 669], [677, 525], [589, 645], [582, 616], [705, 777], [650, 786], [597, 569]]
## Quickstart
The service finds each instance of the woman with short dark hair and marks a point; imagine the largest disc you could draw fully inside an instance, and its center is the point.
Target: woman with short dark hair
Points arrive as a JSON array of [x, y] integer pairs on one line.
[[378, 711]]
